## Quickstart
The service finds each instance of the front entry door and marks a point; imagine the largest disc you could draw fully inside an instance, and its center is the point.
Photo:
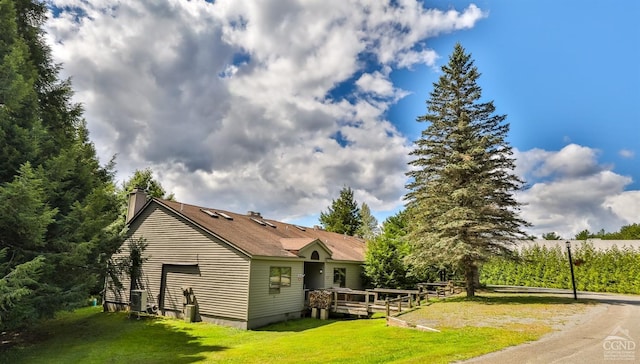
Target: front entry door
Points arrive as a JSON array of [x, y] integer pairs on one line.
[[314, 275]]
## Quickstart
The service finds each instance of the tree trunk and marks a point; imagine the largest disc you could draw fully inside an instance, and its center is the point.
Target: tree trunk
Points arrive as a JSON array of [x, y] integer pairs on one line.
[[470, 273]]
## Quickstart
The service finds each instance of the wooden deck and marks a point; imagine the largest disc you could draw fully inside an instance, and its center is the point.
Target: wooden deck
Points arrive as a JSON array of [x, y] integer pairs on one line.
[[384, 300], [365, 303]]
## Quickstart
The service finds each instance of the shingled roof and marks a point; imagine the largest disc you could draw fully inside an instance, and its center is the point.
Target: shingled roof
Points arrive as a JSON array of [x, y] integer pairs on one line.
[[258, 237]]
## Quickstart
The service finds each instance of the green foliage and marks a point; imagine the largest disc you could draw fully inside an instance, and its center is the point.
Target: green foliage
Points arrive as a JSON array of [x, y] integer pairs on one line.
[[384, 261], [343, 216], [627, 232], [615, 270], [583, 235], [460, 201], [135, 261], [129, 265], [20, 128], [24, 219], [369, 224], [551, 236], [58, 202], [144, 179]]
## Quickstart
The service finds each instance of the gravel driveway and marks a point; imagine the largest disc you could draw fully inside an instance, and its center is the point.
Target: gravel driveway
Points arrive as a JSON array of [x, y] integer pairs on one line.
[[608, 333]]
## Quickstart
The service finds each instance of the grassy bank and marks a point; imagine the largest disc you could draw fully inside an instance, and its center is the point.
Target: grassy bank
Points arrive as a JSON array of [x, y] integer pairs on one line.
[[90, 336]]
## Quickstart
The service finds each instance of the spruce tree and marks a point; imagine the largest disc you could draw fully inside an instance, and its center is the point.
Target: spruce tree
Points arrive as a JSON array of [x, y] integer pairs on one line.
[[461, 203], [343, 216]]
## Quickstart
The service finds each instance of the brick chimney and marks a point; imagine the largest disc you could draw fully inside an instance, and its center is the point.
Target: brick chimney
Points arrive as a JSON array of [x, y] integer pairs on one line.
[[137, 199]]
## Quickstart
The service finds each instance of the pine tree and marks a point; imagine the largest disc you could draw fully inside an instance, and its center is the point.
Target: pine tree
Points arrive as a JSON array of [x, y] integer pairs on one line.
[[343, 216], [460, 200]]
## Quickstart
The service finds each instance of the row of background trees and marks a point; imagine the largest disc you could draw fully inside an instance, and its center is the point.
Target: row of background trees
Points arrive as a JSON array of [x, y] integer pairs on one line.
[[387, 261], [614, 269], [626, 232]]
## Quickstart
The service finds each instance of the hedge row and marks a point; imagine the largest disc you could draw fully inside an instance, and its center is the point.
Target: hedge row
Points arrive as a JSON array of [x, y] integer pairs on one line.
[[615, 270]]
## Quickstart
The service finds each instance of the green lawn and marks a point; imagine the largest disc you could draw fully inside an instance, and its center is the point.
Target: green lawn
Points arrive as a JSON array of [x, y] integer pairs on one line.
[[91, 336]]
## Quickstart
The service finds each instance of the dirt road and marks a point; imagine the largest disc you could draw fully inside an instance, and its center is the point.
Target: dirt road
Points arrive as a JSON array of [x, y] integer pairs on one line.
[[609, 333]]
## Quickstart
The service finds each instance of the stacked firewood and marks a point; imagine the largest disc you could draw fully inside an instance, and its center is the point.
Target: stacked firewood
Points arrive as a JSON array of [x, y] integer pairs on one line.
[[320, 299]]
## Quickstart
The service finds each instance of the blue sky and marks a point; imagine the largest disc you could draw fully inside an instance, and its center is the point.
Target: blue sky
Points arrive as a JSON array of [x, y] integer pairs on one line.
[[275, 106], [563, 71]]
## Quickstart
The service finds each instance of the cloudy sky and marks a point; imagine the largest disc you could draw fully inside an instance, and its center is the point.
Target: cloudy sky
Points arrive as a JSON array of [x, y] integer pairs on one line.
[[275, 106]]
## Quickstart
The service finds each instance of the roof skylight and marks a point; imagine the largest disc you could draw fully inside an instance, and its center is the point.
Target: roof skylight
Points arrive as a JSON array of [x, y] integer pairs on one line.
[[210, 213], [224, 215], [258, 221], [300, 227]]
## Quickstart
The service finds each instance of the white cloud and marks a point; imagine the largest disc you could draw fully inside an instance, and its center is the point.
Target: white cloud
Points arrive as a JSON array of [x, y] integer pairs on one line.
[[408, 59], [569, 191], [626, 153], [571, 161], [231, 102]]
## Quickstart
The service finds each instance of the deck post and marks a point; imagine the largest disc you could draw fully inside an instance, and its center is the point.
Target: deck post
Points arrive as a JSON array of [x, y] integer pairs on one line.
[[335, 301], [366, 302]]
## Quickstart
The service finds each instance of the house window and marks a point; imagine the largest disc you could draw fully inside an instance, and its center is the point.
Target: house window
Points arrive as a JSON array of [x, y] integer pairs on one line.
[[279, 277], [315, 255], [340, 277]]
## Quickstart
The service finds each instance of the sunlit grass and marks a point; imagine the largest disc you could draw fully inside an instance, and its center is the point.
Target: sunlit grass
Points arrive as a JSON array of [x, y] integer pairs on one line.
[[468, 329], [499, 310]]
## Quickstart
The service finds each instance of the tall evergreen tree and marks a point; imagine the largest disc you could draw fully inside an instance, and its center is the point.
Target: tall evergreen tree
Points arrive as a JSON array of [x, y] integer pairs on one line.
[[69, 200], [20, 127], [460, 199], [343, 215]]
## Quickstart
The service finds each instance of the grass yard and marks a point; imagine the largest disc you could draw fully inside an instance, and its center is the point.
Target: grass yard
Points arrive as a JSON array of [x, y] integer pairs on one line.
[[468, 329]]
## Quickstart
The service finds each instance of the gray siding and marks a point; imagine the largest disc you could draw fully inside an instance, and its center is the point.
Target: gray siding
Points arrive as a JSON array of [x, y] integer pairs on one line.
[[112, 293], [288, 303], [353, 270], [218, 273]]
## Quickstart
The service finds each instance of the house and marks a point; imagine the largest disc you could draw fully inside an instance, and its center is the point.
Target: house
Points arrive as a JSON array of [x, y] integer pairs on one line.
[[240, 270]]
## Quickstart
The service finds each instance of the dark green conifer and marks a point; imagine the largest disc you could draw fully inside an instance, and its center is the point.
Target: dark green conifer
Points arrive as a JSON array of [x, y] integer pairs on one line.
[[343, 215], [461, 201]]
